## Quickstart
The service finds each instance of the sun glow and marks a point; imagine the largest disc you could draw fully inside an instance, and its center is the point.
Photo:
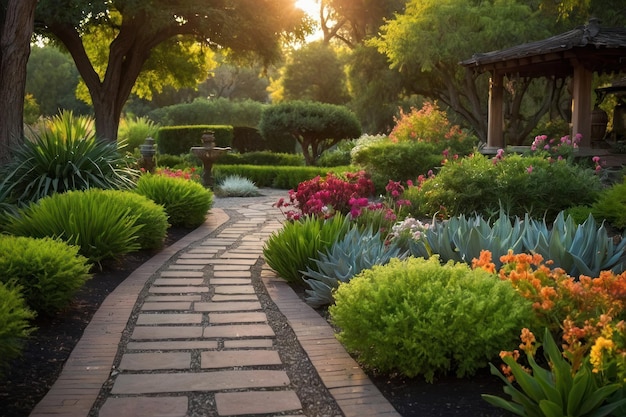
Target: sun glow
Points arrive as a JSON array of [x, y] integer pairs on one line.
[[310, 7]]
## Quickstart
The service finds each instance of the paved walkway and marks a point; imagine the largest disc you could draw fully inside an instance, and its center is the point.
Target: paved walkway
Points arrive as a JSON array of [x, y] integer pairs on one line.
[[187, 335]]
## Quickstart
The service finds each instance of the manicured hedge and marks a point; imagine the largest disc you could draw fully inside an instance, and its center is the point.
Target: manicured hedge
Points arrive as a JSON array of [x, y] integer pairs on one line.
[[176, 140]]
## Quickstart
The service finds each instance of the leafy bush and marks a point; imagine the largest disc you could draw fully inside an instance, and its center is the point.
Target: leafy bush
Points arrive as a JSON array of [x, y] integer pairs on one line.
[[134, 131], [358, 250], [611, 205], [534, 185], [99, 225], [280, 177], [151, 217], [337, 156], [316, 126], [402, 161], [48, 271], [65, 156], [214, 111], [14, 324], [173, 161], [293, 248], [186, 202], [236, 186], [418, 317]]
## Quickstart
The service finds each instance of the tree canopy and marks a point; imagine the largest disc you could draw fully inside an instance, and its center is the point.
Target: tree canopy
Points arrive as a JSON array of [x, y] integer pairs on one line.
[[242, 28]]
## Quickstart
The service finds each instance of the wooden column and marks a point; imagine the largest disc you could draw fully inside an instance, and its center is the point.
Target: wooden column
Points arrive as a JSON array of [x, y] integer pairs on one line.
[[495, 122], [581, 103]]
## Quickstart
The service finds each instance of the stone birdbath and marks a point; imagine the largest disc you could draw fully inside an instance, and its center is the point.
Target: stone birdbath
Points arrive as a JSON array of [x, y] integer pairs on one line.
[[208, 153]]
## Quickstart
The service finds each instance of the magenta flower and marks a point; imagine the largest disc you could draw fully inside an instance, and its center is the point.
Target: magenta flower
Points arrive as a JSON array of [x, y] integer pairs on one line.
[[529, 169]]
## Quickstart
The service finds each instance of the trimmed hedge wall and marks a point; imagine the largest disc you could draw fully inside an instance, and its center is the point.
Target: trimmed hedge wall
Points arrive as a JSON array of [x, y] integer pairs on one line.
[[177, 140], [280, 177]]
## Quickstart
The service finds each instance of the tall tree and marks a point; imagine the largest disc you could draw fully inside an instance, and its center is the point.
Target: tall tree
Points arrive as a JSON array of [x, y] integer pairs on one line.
[[313, 72], [432, 36], [241, 27], [16, 29], [352, 21]]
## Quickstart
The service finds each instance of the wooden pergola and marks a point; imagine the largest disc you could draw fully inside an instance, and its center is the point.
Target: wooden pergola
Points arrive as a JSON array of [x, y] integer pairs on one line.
[[578, 53]]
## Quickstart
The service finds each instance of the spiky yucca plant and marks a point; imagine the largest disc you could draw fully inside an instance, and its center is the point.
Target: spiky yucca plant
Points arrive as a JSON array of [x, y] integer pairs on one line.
[[64, 155]]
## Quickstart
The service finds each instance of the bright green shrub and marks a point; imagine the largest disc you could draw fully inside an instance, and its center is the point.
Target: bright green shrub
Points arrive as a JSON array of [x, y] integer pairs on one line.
[[418, 317], [150, 216], [14, 323], [387, 160], [337, 156], [293, 248], [133, 132], [611, 205], [99, 225], [519, 184], [63, 156], [48, 271], [186, 203]]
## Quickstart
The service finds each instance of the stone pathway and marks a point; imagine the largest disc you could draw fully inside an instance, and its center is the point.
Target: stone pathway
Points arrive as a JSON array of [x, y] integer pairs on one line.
[[187, 335]]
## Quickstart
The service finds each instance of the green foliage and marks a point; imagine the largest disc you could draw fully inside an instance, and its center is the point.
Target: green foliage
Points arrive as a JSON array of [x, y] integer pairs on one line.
[[48, 271], [186, 203], [303, 80], [293, 248], [611, 205], [577, 248], [176, 140], [248, 139], [173, 161], [134, 131], [358, 250], [236, 186], [337, 156], [521, 185], [14, 323], [281, 177], [316, 126], [63, 156], [418, 317], [402, 161], [215, 111], [150, 216], [557, 391], [101, 226], [261, 158]]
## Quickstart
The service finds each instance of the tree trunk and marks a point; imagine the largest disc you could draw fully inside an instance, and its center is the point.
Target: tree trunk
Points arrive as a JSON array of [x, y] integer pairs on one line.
[[15, 34]]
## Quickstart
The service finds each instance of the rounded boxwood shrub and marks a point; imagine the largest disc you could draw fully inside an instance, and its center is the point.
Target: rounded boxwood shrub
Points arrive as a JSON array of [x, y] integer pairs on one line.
[[186, 202], [14, 324], [49, 271], [101, 226], [418, 317]]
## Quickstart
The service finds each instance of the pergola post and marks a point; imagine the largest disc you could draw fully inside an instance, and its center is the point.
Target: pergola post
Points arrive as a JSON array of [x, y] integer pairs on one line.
[[495, 122], [581, 103]]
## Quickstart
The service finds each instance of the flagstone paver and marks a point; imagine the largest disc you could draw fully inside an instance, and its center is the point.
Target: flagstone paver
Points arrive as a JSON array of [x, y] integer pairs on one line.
[[201, 329]]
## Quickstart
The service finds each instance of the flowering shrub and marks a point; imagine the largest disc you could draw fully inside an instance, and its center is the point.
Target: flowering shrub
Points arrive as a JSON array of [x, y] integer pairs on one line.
[[187, 173], [563, 148], [428, 124], [326, 196]]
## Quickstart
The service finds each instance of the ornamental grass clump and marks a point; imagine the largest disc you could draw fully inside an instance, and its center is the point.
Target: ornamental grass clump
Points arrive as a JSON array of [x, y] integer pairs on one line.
[[419, 317], [293, 248], [237, 186], [48, 271], [103, 228], [186, 202]]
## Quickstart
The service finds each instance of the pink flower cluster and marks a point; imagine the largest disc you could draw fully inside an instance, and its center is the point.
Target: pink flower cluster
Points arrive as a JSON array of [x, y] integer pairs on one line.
[[187, 174], [561, 148], [327, 196]]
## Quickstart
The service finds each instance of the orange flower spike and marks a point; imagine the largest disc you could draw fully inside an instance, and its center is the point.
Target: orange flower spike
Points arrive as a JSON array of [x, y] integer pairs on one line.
[[528, 341]]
